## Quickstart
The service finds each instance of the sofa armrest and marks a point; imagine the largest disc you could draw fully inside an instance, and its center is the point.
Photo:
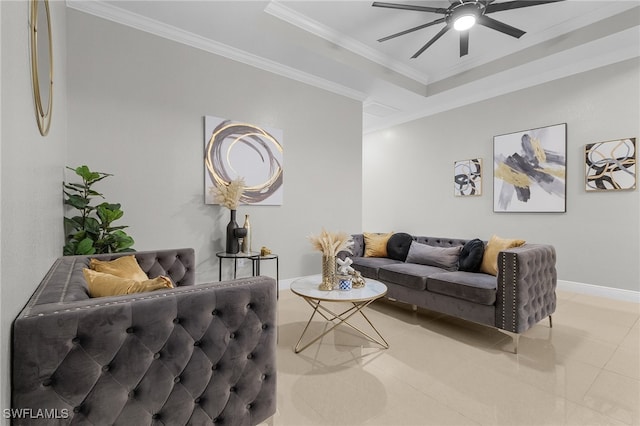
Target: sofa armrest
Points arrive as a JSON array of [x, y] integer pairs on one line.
[[134, 358], [527, 280]]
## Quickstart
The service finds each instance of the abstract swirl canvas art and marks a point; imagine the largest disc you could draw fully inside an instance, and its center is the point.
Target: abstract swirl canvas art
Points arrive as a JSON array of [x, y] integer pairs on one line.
[[467, 177], [611, 165], [234, 149]]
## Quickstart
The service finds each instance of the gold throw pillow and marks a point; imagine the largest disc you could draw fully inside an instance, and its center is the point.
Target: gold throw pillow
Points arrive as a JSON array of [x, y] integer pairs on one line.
[[495, 246], [101, 284], [375, 245], [123, 267]]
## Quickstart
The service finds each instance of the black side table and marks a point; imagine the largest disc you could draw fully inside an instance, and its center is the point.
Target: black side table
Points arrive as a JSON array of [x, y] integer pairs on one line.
[[257, 258], [235, 256]]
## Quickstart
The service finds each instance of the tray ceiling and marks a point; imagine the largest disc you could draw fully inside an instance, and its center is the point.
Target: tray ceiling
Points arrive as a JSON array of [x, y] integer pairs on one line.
[[333, 45]]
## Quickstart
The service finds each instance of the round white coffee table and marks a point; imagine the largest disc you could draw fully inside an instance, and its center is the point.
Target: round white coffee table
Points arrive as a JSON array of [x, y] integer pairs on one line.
[[359, 298]]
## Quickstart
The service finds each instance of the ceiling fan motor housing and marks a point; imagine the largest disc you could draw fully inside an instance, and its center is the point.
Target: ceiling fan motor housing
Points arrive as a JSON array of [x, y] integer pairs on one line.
[[456, 11]]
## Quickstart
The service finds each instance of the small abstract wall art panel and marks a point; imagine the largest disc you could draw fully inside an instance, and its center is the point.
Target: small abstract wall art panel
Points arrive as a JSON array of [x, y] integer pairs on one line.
[[529, 173], [234, 149], [611, 165], [467, 177]]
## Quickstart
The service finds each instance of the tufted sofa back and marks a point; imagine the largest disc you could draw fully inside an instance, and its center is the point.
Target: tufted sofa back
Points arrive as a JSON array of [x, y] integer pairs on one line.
[[65, 282], [440, 242], [198, 354], [358, 243]]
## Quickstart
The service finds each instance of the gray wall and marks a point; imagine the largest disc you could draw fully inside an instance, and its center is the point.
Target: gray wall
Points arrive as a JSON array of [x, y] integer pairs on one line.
[[408, 174], [31, 166], [136, 107]]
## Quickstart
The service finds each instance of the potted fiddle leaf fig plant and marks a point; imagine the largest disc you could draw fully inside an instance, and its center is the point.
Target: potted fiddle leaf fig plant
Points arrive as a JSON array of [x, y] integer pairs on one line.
[[91, 229]]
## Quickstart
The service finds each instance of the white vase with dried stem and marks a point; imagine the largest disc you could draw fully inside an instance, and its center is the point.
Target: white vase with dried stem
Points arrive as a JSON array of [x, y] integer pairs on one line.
[[330, 244]]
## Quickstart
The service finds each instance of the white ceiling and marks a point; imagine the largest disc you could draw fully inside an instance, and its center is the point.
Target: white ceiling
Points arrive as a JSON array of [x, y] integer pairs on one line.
[[332, 44]]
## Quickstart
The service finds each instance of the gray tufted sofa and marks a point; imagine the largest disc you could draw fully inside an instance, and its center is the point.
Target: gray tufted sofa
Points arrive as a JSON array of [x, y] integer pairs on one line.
[[197, 354], [521, 295]]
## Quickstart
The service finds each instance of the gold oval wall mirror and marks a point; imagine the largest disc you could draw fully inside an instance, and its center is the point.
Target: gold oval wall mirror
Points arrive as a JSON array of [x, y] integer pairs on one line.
[[42, 63]]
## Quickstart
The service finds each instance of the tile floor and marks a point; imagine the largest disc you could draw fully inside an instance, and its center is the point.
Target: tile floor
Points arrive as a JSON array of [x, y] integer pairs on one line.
[[444, 371]]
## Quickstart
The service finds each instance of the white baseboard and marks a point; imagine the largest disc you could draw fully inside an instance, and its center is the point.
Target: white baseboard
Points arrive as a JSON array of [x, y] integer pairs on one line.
[[286, 284], [571, 286], [597, 290]]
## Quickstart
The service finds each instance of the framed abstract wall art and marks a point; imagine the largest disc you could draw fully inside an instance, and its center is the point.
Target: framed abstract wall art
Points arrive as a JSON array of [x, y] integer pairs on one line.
[[530, 169], [234, 149], [467, 177], [611, 165]]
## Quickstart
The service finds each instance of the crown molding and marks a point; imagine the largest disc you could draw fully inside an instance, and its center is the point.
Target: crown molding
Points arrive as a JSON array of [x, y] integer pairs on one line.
[[581, 59], [609, 10], [378, 109], [115, 14], [316, 28]]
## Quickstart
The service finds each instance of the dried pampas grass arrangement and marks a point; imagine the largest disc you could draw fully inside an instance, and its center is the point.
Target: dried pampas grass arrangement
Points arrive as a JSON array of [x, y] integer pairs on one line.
[[330, 243], [229, 194]]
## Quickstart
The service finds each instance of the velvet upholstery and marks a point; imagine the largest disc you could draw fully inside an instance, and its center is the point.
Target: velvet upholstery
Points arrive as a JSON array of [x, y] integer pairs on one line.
[[196, 354], [375, 244], [412, 275], [459, 308], [492, 249], [441, 257], [123, 267], [398, 246], [521, 295], [474, 287], [102, 284], [440, 242], [471, 256], [369, 266], [527, 279]]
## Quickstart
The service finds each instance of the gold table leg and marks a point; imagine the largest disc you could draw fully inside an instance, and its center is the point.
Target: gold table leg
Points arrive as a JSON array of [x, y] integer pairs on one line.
[[342, 318]]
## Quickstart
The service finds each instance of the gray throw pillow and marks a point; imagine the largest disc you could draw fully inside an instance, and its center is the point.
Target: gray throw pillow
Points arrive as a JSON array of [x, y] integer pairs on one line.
[[442, 257]]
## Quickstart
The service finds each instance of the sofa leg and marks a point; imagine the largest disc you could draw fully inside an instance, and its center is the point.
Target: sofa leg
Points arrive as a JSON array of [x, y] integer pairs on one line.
[[515, 338], [414, 308], [550, 322]]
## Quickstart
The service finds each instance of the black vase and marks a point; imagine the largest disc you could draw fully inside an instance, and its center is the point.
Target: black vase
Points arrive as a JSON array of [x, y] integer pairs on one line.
[[232, 241]]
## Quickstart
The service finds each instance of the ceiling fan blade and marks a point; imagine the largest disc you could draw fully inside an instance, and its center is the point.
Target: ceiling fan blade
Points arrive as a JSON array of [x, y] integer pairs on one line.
[[410, 7], [500, 26], [430, 42], [498, 7], [464, 43], [410, 30]]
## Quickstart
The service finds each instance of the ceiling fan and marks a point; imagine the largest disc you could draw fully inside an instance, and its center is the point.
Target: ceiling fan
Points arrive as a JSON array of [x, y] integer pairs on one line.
[[461, 15]]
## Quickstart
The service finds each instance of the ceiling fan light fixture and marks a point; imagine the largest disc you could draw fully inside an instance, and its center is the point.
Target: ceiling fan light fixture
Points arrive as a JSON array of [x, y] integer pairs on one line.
[[464, 16], [464, 22]]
